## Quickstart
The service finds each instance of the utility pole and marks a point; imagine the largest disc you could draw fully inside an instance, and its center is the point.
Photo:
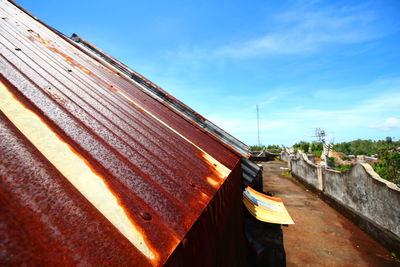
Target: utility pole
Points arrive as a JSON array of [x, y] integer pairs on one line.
[[258, 126]]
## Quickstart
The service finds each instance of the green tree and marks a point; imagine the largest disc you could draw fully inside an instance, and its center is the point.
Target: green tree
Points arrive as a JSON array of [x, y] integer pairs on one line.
[[317, 148], [365, 147], [388, 166], [303, 146], [257, 147], [331, 162], [344, 168], [273, 147]]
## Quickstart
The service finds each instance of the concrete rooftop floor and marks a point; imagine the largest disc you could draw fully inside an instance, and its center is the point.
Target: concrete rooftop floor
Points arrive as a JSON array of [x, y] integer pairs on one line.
[[321, 236]]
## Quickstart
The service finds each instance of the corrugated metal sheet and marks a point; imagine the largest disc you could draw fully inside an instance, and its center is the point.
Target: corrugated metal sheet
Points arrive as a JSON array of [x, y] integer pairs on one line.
[[252, 175], [167, 99], [44, 220], [162, 166]]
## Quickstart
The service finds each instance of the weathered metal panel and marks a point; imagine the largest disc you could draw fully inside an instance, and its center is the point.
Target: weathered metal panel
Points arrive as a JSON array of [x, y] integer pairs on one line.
[[252, 174], [167, 99], [44, 219], [163, 168], [217, 238]]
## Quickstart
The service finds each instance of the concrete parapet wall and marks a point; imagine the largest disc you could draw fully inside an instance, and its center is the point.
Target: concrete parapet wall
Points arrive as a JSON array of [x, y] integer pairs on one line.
[[372, 202], [301, 166], [285, 155], [364, 191]]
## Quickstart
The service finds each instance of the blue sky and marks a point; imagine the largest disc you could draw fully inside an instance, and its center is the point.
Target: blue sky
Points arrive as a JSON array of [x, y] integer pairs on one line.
[[307, 64]]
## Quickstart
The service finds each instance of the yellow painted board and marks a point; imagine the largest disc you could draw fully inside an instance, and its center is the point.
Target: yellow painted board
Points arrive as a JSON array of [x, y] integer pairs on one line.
[[277, 212], [261, 214]]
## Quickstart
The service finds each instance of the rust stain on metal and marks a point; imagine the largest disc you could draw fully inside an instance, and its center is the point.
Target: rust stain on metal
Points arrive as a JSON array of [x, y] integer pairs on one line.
[[135, 106], [161, 169], [37, 131], [172, 98], [70, 60]]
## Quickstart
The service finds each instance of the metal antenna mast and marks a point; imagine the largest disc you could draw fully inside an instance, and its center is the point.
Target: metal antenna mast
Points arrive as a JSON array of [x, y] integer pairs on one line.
[[258, 126], [322, 138], [320, 134]]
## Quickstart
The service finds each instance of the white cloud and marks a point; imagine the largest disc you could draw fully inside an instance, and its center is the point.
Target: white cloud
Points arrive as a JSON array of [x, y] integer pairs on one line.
[[289, 124], [303, 29], [299, 32], [389, 124]]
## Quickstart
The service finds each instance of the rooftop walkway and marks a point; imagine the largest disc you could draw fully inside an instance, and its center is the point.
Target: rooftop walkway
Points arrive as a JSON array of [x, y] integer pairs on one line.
[[320, 236]]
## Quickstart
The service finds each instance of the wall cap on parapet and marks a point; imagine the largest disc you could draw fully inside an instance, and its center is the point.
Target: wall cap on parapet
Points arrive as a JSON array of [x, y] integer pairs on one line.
[[368, 168], [298, 155], [304, 155], [336, 171]]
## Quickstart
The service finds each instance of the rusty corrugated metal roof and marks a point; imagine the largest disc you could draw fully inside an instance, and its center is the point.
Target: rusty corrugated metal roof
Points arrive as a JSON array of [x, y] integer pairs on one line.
[[162, 96], [159, 165]]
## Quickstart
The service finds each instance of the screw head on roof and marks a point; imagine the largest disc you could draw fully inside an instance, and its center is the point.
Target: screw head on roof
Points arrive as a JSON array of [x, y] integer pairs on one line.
[[146, 216]]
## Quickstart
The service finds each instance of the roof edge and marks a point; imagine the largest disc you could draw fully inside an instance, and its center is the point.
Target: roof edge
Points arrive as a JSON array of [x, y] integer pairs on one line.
[[162, 96], [155, 91]]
